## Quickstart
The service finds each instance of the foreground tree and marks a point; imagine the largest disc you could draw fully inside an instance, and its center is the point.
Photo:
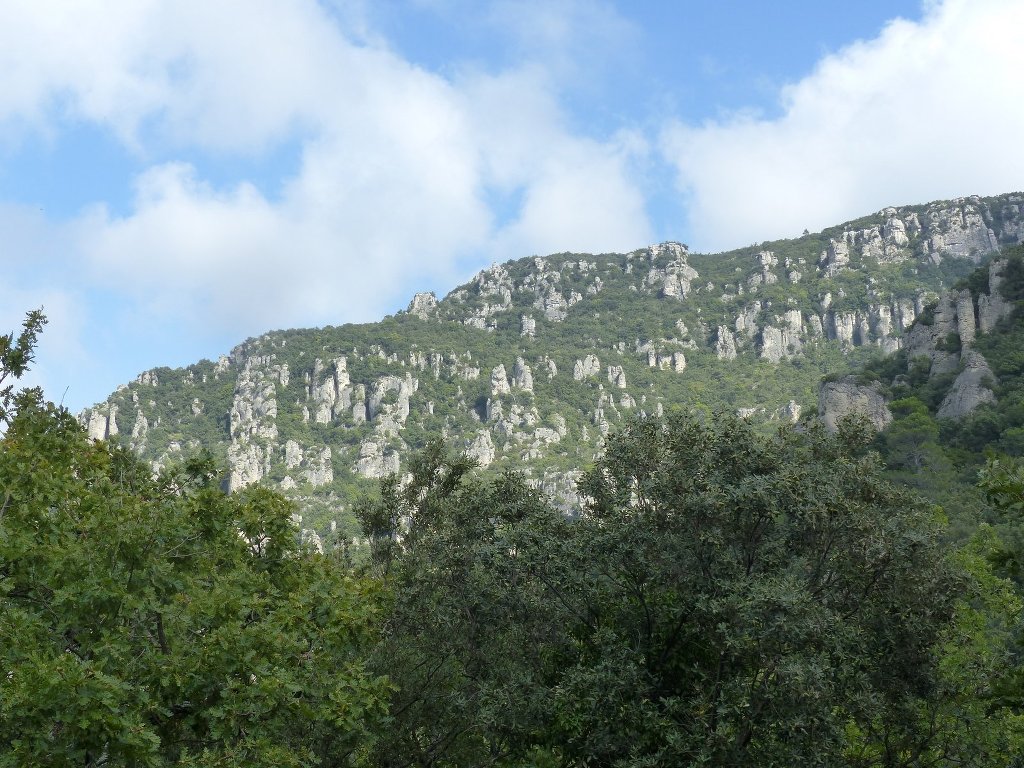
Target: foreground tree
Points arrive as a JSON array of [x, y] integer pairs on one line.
[[152, 622], [724, 598]]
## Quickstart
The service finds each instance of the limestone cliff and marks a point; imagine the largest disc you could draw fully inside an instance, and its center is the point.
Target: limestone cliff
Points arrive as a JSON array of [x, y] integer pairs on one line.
[[531, 363]]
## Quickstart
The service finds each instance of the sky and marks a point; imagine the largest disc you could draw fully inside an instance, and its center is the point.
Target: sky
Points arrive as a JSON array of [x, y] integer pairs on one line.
[[179, 175]]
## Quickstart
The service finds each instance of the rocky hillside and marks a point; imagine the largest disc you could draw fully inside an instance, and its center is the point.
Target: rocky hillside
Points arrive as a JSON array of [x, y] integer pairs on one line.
[[941, 349], [531, 363]]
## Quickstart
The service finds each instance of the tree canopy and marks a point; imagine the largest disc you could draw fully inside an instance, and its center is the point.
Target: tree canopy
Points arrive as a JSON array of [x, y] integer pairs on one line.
[[157, 621], [725, 598]]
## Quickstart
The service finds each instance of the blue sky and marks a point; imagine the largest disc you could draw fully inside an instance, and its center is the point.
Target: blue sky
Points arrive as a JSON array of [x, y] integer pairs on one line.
[[177, 176]]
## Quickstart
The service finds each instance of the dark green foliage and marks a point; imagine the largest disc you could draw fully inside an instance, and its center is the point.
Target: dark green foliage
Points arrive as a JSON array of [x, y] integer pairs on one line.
[[725, 598], [158, 622], [15, 357], [1012, 287]]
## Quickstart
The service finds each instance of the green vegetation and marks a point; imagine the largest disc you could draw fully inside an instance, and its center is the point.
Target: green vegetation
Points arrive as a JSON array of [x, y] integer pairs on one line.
[[152, 622], [723, 597]]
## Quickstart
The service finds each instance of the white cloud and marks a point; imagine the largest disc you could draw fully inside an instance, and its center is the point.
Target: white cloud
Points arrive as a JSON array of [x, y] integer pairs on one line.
[[921, 112], [394, 190]]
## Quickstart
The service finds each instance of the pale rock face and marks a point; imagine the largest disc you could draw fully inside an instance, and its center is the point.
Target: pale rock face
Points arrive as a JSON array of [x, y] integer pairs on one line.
[[222, 366], [527, 326], [924, 340], [548, 365], [843, 326], [494, 410], [793, 321], [746, 321], [586, 368], [254, 407], [359, 404], [772, 346], [422, 305], [287, 483], [495, 281], [835, 258], [677, 276], [418, 360], [970, 389], [319, 470], [790, 412], [499, 381], [895, 231], [465, 371], [993, 307], [112, 421], [882, 318], [725, 344], [139, 430], [149, 378], [845, 397], [375, 461], [398, 410], [197, 406], [481, 449], [522, 376], [815, 327], [311, 540], [764, 276], [554, 306], [958, 230], [247, 464], [100, 425], [904, 314], [964, 316], [292, 454], [617, 376], [678, 362]]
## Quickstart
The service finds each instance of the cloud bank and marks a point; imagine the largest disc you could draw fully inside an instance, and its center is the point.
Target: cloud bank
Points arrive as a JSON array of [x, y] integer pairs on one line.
[[924, 111], [398, 166]]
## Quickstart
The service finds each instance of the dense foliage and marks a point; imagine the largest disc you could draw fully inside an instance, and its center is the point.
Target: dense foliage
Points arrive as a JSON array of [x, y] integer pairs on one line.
[[151, 622], [723, 597]]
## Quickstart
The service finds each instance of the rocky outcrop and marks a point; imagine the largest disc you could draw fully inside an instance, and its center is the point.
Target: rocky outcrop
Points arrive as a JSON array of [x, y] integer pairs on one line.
[[839, 399], [376, 460], [725, 344], [319, 470], [139, 431], [499, 381], [331, 394], [992, 307], [253, 421], [381, 406], [522, 376], [675, 278], [423, 305], [101, 422], [617, 376], [527, 326], [586, 368], [933, 340], [971, 388], [958, 229], [481, 450], [765, 274]]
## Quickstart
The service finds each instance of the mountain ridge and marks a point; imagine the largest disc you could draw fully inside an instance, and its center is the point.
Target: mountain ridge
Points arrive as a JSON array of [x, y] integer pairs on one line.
[[531, 362]]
